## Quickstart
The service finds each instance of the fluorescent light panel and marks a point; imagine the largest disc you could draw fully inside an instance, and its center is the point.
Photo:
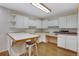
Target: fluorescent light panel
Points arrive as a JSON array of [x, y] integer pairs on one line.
[[42, 7]]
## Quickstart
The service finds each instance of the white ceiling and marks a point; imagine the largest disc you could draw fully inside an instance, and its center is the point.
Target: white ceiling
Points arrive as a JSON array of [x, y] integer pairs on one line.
[[27, 8]]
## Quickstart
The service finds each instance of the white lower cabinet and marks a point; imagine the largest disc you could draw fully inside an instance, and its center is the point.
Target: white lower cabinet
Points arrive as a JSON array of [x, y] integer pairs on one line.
[[67, 42], [61, 41], [71, 43]]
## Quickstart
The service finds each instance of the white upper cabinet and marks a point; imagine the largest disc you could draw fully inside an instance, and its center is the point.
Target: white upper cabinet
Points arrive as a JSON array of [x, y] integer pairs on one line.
[[53, 22], [32, 22], [72, 21], [26, 22], [62, 22], [68, 21], [44, 23], [21, 21], [38, 23]]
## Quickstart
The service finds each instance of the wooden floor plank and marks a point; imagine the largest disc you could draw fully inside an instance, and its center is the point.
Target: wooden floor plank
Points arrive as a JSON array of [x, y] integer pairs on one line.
[[4, 53], [47, 49]]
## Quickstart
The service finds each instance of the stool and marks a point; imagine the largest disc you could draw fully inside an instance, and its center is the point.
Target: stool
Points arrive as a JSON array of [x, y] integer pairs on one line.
[[30, 43]]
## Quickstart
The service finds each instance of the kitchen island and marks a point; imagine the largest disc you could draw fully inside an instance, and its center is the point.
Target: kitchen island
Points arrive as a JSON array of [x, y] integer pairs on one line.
[[21, 36], [17, 42]]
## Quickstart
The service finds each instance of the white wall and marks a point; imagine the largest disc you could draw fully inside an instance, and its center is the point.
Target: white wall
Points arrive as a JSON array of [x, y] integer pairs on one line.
[[4, 17], [78, 31]]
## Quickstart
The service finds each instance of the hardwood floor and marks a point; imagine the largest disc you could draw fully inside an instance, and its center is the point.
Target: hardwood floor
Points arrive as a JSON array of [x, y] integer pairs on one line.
[[48, 49], [4, 53]]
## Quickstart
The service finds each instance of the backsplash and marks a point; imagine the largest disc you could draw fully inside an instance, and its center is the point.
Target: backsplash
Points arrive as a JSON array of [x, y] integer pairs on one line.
[[49, 30]]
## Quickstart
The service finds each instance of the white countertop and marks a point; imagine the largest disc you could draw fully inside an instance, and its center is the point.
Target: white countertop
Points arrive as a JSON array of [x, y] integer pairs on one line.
[[20, 36], [49, 34]]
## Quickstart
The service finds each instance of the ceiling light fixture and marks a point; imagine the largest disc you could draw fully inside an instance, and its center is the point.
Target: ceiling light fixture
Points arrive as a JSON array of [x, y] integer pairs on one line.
[[42, 7]]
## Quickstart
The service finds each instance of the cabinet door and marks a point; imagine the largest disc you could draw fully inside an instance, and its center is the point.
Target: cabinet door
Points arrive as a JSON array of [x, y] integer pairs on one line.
[[49, 23], [38, 24], [45, 24], [31, 22], [26, 22], [62, 22], [69, 22], [53, 22], [61, 41], [19, 21], [71, 43], [72, 21]]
